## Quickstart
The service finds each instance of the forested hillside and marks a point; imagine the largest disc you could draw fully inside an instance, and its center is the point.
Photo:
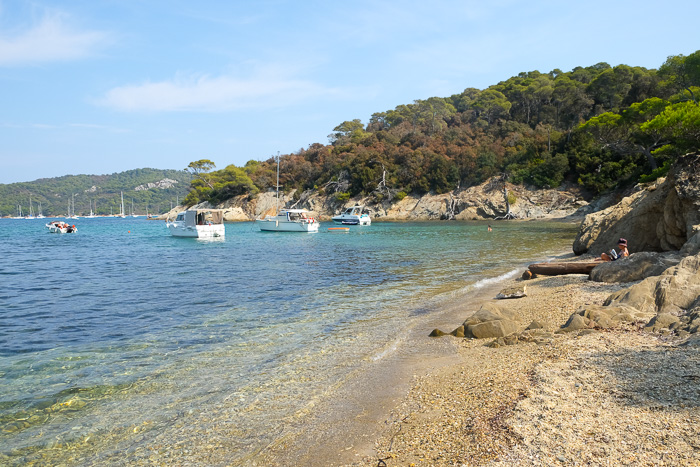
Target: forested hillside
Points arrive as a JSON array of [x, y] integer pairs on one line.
[[55, 194], [597, 126]]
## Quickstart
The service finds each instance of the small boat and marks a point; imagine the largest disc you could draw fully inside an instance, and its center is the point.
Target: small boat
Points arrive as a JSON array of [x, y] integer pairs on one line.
[[353, 216], [61, 227], [198, 223], [289, 220]]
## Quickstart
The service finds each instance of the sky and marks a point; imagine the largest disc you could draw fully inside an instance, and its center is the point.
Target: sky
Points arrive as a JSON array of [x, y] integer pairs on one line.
[[104, 86]]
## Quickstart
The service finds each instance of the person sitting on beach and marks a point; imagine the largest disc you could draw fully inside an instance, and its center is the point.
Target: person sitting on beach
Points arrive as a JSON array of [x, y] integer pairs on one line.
[[613, 255]]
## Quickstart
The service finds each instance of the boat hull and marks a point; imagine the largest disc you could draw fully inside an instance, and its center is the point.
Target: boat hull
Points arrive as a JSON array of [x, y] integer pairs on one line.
[[197, 231], [353, 220], [272, 225]]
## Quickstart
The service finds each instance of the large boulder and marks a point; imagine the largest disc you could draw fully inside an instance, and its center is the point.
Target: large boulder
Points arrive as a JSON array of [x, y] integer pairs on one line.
[[636, 267], [491, 321], [658, 217], [674, 291]]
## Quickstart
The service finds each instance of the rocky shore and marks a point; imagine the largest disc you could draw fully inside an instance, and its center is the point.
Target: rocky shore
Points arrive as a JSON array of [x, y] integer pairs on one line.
[[616, 396], [599, 369], [485, 201]]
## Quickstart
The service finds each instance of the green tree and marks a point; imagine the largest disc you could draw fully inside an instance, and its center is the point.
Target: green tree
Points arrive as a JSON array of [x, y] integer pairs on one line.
[[348, 131], [491, 104], [199, 169], [680, 123], [682, 73]]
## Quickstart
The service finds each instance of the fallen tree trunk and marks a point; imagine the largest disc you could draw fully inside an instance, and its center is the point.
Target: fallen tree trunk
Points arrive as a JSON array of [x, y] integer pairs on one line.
[[556, 269]]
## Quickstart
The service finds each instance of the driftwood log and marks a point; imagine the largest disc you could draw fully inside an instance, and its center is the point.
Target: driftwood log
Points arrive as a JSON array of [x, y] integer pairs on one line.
[[556, 269]]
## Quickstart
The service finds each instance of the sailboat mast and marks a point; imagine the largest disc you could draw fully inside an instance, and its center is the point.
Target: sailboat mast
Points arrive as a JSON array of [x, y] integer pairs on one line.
[[277, 201]]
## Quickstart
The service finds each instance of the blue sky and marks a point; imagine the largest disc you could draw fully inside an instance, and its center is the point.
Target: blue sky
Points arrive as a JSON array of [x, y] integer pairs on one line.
[[90, 86]]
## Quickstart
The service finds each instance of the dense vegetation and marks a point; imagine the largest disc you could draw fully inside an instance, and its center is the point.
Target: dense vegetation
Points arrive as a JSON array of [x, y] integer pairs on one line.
[[55, 194], [599, 127]]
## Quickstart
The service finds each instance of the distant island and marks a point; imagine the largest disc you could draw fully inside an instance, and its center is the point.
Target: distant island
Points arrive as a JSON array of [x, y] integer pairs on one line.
[[147, 190]]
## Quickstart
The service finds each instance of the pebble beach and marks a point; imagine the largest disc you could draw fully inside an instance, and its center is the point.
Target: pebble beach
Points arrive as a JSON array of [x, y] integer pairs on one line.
[[608, 397]]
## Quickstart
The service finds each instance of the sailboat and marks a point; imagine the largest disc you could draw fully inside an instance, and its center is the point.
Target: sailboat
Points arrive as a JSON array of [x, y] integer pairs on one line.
[[92, 214], [41, 214], [287, 220], [31, 209], [132, 209], [71, 213], [121, 211]]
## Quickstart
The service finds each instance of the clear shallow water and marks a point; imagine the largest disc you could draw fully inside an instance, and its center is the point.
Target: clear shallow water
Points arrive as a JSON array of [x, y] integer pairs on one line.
[[122, 342]]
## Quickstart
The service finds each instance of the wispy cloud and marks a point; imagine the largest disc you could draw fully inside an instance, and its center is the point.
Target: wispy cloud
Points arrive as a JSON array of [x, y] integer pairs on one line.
[[50, 39], [206, 93]]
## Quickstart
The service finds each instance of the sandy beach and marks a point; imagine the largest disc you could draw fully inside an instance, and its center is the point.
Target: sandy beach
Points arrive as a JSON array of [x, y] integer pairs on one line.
[[608, 397]]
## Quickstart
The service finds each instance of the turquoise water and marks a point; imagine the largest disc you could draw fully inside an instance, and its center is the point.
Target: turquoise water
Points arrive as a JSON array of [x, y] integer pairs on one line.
[[122, 344]]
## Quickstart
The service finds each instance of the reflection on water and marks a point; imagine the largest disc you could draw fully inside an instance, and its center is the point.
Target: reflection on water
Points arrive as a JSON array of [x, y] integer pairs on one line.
[[123, 344]]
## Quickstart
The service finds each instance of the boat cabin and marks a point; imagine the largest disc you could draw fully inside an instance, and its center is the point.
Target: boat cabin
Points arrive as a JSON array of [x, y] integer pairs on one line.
[[200, 217]]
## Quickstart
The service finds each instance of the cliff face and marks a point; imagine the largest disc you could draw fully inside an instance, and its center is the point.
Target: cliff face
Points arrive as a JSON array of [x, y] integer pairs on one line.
[[485, 201], [659, 217]]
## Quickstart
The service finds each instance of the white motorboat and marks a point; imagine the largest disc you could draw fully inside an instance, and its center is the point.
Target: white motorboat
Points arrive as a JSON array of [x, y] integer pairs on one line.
[[353, 216], [289, 220], [198, 223], [61, 227]]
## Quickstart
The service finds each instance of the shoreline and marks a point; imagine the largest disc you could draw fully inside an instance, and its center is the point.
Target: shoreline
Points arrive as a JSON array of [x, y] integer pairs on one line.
[[346, 425], [575, 400]]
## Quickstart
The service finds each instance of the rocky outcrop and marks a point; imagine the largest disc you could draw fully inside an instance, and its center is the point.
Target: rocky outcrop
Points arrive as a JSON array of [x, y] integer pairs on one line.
[[674, 291], [659, 217], [161, 185], [665, 303], [478, 202], [636, 267]]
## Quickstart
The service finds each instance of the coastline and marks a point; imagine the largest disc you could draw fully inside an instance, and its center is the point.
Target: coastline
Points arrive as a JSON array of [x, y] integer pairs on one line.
[[344, 428], [617, 397]]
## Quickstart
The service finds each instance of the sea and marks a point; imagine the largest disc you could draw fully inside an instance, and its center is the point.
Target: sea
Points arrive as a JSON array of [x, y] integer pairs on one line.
[[122, 345]]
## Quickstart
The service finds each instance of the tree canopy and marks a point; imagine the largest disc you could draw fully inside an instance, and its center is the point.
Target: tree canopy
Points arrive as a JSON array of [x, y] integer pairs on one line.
[[599, 126]]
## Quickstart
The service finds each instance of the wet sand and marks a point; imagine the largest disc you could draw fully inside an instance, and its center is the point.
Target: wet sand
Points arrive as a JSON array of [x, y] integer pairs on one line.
[[344, 428]]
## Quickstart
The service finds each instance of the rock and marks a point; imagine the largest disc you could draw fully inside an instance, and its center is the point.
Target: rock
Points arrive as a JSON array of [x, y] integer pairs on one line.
[[674, 291], [692, 246], [459, 332], [693, 341], [636, 267], [436, 333], [491, 321], [576, 322], [512, 292], [495, 328], [596, 316], [535, 325], [659, 217], [661, 321]]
